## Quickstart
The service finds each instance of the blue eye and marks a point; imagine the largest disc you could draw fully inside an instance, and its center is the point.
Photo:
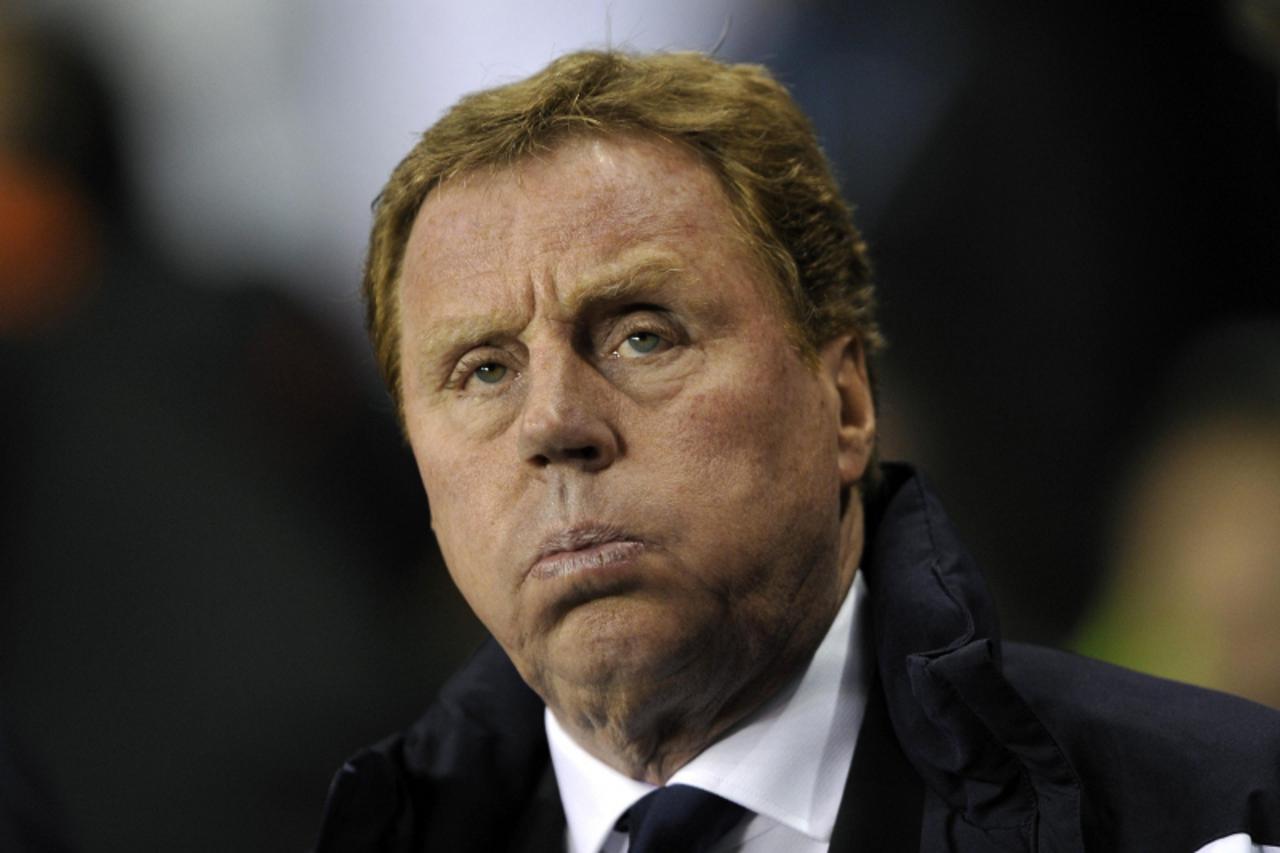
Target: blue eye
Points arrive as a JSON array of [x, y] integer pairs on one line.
[[491, 372], [643, 342]]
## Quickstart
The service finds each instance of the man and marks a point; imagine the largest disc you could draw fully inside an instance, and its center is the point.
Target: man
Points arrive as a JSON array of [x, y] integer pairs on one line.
[[627, 319]]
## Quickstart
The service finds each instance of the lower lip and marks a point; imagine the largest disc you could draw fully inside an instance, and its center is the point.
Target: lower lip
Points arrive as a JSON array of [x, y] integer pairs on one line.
[[594, 558]]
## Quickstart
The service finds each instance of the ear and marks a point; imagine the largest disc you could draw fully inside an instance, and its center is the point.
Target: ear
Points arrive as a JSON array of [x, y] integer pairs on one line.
[[844, 364]]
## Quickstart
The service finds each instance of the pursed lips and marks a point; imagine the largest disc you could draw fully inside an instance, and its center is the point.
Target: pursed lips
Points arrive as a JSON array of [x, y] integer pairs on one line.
[[583, 547]]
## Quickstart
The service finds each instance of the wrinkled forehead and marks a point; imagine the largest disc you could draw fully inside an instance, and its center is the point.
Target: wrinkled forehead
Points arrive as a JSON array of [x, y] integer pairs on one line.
[[590, 196]]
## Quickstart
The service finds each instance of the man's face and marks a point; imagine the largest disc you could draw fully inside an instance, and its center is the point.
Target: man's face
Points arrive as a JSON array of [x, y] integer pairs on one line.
[[634, 478]]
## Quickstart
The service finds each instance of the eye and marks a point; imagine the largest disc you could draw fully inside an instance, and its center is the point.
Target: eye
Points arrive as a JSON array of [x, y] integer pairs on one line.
[[639, 343], [483, 370], [490, 372]]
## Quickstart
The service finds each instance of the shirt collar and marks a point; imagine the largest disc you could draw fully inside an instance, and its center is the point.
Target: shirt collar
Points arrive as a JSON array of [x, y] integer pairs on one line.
[[786, 761]]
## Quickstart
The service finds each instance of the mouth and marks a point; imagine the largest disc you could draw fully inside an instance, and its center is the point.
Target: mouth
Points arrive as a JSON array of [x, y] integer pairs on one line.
[[583, 548]]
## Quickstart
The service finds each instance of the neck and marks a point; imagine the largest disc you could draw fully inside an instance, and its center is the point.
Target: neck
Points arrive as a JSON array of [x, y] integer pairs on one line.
[[650, 729]]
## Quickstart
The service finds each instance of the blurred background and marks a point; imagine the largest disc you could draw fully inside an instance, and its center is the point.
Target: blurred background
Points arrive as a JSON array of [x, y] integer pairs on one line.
[[217, 578]]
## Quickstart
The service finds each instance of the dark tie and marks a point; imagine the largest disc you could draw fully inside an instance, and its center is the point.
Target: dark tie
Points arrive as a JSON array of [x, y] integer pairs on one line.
[[680, 819]]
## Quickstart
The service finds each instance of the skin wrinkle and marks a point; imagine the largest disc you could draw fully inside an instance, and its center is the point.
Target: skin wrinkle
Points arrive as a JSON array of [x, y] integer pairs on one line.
[[724, 453], [640, 279], [648, 281]]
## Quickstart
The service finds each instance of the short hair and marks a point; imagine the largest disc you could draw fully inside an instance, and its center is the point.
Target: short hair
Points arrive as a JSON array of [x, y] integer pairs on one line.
[[737, 118]]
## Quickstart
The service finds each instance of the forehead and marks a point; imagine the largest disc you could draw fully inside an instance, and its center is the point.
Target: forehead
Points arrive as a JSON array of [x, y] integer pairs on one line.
[[589, 200]]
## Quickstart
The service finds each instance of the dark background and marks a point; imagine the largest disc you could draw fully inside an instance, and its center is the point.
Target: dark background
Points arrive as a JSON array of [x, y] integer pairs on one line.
[[1097, 188]]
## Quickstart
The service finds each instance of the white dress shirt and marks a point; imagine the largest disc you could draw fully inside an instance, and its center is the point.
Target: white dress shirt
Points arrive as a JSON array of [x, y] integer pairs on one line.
[[786, 763]]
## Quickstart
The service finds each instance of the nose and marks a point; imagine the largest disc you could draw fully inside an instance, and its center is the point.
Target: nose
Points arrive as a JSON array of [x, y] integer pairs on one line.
[[565, 421]]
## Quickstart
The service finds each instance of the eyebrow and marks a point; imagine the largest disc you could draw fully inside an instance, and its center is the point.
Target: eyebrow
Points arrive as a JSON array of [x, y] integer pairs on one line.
[[638, 281], [651, 278], [452, 334]]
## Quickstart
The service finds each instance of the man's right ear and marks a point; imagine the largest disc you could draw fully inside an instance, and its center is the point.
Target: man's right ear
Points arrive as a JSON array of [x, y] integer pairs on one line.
[[844, 361]]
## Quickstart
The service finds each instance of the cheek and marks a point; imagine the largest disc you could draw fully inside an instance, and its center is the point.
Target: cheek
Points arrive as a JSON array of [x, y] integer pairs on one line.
[[463, 517], [755, 476], [454, 467], [738, 437]]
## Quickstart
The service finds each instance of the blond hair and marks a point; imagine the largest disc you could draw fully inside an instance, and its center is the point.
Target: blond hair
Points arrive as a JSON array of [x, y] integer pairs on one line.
[[739, 120]]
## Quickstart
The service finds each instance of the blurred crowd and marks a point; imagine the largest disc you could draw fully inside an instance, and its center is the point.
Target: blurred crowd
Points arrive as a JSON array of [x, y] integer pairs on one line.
[[215, 557], [217, 576], [1193, 589]]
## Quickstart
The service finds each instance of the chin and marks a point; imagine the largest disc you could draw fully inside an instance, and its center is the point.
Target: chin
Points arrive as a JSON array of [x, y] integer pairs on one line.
[[606, 646]]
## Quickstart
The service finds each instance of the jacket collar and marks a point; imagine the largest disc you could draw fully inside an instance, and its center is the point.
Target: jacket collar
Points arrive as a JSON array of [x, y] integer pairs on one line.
[[966, 731], [471, 775]]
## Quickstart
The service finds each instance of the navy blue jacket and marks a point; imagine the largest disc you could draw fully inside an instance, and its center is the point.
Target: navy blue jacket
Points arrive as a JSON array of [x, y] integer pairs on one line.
[[967, 744]]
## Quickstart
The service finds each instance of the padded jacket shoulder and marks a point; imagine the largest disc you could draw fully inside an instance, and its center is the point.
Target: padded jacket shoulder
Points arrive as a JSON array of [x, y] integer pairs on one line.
[[1166, 766]]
